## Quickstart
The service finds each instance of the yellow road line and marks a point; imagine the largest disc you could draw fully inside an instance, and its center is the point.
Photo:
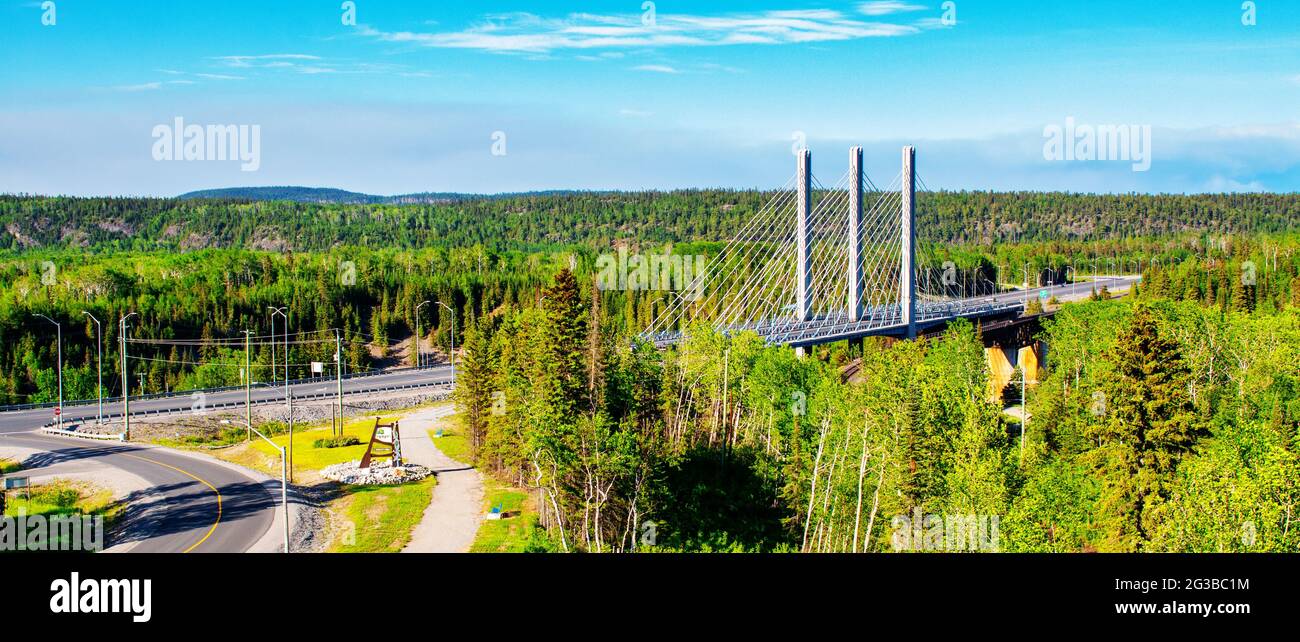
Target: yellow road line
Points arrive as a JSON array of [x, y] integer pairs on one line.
[[201, 481]]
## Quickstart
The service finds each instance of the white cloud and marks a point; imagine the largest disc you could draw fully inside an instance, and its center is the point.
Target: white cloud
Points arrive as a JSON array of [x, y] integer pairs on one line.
[[148, 86], [661, 69], [265, 60], [886, 7], [635, 113], [529, 33]]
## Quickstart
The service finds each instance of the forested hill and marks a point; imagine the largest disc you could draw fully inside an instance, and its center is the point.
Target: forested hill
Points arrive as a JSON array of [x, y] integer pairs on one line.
[[598, 219], [322, 195]]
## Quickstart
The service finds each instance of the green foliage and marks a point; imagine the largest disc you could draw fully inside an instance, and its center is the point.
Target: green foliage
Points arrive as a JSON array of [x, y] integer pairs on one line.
[[336, 442]]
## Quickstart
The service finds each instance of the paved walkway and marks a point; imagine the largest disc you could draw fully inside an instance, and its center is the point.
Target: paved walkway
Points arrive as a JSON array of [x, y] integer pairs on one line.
[[452, 519]]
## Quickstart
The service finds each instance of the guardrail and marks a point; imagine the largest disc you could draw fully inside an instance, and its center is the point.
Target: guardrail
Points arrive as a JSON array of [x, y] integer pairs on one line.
[[82, 435], [186, 393], [51, 429]]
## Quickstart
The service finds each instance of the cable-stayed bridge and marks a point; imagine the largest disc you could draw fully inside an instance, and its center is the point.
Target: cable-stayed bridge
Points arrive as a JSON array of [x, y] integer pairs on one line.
[[816, 265]]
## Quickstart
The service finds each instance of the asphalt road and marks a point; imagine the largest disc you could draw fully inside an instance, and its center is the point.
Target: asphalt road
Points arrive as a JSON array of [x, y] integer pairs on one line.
[[193, 505]]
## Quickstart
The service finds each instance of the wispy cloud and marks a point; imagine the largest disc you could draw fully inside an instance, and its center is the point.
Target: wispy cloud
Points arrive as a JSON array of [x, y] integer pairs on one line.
[[529, 33], [635, 113], [265, 60], [661, 69], [886, 7], [152, 86]]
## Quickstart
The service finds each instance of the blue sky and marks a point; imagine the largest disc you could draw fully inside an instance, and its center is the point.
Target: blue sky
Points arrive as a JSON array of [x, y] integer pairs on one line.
[[594, 95]]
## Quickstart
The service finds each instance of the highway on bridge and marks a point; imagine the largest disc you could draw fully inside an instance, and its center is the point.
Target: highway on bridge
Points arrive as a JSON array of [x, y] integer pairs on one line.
[[194, 504]]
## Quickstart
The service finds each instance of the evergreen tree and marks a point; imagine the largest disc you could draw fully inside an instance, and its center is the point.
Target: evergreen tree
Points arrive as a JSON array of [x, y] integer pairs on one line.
[[1148, 426]]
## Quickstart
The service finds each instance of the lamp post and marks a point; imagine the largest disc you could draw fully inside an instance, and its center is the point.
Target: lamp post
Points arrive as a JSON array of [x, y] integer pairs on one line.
[[282, 311], [418, 355], [452, 356], [126, 390], [99, 363], [59, 342]]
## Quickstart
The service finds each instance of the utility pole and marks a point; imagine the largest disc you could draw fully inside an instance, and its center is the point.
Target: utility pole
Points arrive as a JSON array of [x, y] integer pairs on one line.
[[280, 311], [338, 361], [99, 362], [274, 311], [452, 356], [126, 390], [290, 436], [59, 343], [418, 362], [248, 383]]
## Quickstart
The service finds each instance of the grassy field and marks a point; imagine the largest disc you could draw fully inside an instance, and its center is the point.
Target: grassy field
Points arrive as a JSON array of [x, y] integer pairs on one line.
[[510, 535], [8, 466], [64, 497], [453, 442], [379, 519], [307, 458]]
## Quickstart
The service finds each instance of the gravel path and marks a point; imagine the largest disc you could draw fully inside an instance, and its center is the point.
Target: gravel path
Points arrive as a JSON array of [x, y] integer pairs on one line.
[[452, 517]]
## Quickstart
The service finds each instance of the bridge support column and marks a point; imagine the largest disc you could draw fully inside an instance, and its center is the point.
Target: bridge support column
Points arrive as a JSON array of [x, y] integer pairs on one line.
[[803, 294], [855, 234], [907, 271]]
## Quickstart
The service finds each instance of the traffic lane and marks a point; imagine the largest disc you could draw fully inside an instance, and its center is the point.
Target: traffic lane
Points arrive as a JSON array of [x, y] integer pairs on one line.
[[1108, 282], [23, 420], [191, 505]]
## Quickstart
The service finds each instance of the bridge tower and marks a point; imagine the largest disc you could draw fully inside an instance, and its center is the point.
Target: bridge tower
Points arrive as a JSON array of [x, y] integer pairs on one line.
[[803, 234], [906, 284], [855, 234]]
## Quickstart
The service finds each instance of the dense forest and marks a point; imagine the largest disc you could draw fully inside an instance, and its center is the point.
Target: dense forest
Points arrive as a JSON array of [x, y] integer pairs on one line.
[[1165, 421], [545, 221], [1162, 426]]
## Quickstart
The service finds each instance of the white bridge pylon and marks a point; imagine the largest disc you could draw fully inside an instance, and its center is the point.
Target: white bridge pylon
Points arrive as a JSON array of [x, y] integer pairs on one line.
[[818, 264]]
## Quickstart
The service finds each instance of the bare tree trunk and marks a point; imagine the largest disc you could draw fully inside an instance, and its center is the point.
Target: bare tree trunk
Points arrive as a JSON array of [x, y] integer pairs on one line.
[[812, 492], [862, 472]]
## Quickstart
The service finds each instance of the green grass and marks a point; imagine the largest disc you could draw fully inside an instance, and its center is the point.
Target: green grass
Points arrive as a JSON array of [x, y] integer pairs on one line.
[[64, 497], [453, 442], [259, 455], [9, 466], [382, 517], [511, 535]]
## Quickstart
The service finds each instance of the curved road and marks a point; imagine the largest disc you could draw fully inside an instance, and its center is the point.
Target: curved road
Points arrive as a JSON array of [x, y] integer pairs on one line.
[[193, 504]]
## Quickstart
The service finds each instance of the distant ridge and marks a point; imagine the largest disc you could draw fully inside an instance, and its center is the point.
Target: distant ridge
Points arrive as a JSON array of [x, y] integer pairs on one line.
[[332, 195]]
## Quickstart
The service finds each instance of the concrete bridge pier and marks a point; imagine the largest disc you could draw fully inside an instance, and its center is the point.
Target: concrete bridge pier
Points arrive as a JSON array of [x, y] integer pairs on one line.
[[1002, 362]]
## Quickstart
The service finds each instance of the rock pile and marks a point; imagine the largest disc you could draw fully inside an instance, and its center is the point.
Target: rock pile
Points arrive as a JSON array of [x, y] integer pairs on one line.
[[380, 472]]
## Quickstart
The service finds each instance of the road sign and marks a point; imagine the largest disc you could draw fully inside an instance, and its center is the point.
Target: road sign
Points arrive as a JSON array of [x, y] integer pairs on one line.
[[57, 412], [1043, 294], [15, 482], [317, 367]]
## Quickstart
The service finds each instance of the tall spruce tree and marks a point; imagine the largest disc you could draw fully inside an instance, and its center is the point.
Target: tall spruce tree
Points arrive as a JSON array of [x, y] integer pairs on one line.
[[1148, 425]]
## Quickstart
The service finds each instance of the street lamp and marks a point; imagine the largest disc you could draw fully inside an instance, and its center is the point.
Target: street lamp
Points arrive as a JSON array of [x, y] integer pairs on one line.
[[418, 355], [452, 356], [99, 363], [126, 390], [282, 312], [59, 330]]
